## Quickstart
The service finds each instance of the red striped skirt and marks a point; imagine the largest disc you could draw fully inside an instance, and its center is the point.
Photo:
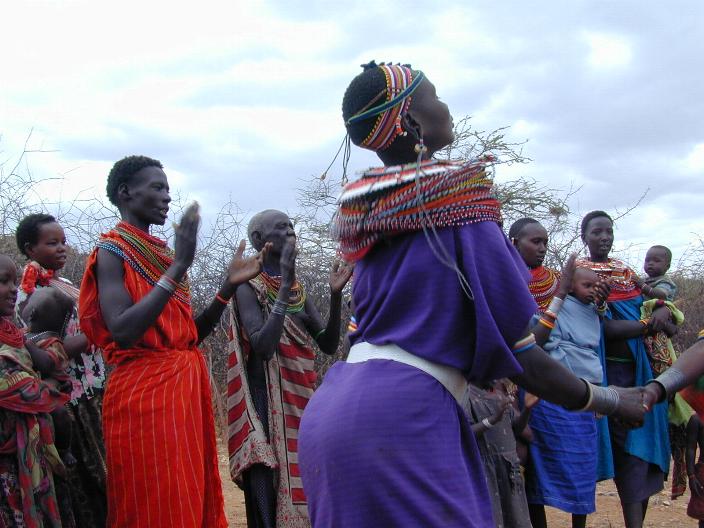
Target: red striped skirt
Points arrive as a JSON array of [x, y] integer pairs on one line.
[[160, 443]]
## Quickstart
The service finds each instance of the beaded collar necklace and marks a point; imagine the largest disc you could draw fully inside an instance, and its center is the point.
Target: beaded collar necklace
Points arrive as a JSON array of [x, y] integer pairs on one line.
[[543, 286], [147, 255], [621, 277], [297, 296], [394, 200], [10, 334]]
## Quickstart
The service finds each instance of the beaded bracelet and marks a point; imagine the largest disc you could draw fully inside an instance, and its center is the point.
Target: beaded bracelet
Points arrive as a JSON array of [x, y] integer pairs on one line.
[[525, 344], [164, 283], [547, 324], [550, 314]]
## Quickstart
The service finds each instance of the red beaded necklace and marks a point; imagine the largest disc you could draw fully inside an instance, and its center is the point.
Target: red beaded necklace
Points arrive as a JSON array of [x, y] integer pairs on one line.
[[543, 286], [10, 334]]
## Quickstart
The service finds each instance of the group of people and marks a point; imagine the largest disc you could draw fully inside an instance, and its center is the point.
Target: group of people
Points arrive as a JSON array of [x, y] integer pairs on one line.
[[607, 330], [416, 428]]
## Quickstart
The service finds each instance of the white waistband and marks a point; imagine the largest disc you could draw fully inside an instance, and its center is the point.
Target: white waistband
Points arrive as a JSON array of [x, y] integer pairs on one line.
[[450, 377]]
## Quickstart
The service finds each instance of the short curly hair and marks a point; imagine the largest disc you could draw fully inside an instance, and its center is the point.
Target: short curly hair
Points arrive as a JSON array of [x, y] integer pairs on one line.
[[124, 169], [27, 231]]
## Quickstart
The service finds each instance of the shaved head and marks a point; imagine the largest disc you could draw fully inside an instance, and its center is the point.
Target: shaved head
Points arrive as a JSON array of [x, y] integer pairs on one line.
[[261, 225]]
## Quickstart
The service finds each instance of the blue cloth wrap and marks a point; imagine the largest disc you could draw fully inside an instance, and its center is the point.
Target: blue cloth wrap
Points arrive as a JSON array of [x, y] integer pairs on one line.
[[650, 442]]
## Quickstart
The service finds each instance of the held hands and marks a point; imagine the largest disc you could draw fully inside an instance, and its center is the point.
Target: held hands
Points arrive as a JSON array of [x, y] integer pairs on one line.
[[288, 262], [187, 237], [632, 406], [242, 269], [339, 276]]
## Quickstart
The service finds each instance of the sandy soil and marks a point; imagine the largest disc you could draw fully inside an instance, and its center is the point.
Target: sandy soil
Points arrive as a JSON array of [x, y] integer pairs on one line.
[[663, 512]]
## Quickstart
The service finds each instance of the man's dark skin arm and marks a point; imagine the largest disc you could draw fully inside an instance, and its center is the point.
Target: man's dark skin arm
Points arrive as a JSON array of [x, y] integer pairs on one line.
[[128, 321]]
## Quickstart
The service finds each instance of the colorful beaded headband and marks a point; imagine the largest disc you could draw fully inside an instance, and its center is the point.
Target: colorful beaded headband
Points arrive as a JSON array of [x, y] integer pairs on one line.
[[400, 84]]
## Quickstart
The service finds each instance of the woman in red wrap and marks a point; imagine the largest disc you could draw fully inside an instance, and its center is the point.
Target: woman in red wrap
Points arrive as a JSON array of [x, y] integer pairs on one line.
[[28, 456], [135, 305]]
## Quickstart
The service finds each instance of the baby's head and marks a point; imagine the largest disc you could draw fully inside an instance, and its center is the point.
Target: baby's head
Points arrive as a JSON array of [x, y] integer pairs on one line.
[[583, 283], [657, 261], [47, 310]]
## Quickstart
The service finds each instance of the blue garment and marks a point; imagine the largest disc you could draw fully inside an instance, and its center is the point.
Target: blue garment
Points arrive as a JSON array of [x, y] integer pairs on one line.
[[576, 338], [564, 453], [563, 459], [650, 442]]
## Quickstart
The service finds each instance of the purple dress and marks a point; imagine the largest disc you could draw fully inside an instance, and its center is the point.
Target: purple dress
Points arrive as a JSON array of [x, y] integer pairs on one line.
[[382, 443]]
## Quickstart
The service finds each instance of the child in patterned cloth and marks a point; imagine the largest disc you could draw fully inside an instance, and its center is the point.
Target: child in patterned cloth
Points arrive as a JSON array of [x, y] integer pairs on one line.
[[658, 285], [46, 313]]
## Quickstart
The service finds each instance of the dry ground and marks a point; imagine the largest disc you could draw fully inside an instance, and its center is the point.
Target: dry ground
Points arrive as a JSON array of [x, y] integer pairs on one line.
[[662, 512]]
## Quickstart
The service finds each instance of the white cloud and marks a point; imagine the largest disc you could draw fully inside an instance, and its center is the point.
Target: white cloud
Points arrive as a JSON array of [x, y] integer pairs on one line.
[[243, 98], [608, 51]]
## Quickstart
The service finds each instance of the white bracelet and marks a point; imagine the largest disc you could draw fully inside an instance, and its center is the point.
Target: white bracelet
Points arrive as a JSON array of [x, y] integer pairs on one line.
[[555, 305], [164, 283], [486, 423]]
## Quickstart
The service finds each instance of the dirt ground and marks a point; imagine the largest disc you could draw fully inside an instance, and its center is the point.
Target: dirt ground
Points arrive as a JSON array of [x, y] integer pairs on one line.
[[662, 512]]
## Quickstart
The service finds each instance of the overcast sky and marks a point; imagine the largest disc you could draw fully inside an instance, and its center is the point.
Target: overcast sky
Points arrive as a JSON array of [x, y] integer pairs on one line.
[[243, 99]]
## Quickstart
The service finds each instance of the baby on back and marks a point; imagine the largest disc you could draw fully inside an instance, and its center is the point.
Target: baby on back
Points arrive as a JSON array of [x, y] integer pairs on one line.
[[47, 312]]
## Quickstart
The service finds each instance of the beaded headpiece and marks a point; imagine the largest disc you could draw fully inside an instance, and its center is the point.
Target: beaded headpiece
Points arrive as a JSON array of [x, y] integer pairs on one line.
[[400, 85]]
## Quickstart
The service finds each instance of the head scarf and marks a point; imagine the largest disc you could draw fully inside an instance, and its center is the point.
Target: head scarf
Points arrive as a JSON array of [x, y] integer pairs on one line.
[[400, 84]]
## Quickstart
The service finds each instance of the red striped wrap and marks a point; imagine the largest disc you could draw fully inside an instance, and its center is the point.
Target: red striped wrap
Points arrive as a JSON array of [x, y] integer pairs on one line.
[[290, 380], [158, 423]]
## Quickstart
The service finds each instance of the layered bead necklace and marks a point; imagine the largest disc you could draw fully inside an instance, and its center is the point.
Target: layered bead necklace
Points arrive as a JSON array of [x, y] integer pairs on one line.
[[543, 286], [297, 296]]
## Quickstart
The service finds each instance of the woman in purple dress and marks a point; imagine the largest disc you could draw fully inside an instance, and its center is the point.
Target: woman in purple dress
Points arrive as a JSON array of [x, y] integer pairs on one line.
[[441, 297]]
